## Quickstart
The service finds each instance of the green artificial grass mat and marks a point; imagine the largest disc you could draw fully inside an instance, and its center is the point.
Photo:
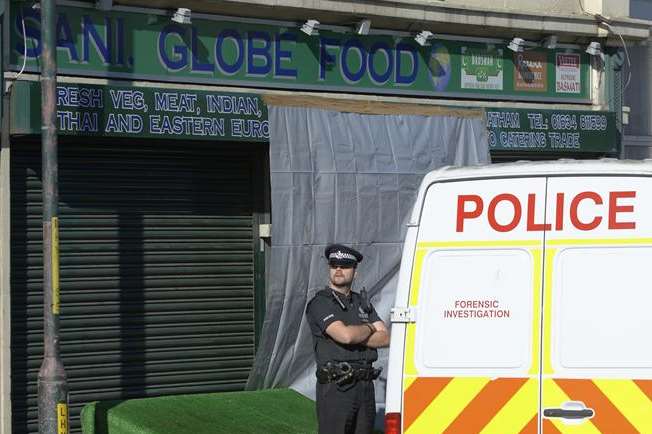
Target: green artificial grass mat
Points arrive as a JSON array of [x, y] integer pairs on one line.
[[271, 411]]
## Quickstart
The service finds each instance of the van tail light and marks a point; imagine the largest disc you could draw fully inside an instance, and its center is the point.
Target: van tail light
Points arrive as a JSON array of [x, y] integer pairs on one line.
[[393, 423]]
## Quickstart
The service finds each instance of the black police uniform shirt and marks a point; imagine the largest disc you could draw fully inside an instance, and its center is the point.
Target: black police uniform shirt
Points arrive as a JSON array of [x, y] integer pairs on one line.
[[323, 310]]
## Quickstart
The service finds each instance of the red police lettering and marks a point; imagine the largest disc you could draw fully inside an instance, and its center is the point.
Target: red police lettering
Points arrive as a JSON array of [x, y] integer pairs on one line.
[[559, 222], [611, 210], [492, 212], [614, 208], [575, 220], [531, 209], [461, 209]]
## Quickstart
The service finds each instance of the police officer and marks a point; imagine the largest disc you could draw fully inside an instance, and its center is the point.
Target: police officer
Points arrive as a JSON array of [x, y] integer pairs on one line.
[[346, 331]]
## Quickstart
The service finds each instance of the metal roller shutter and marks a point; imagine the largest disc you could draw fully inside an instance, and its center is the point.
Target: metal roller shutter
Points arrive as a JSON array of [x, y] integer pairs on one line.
[[157, 271]]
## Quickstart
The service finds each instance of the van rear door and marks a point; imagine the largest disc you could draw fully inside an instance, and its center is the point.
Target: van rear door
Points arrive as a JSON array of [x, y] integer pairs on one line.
[[472, 356], [596, 358]]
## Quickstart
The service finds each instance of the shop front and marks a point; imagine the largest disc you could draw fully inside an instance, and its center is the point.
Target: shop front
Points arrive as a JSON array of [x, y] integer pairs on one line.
[[161, 196]]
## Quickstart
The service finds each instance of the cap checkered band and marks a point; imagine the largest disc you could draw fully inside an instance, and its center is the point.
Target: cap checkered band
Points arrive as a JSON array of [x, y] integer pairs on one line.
[[341, 255]]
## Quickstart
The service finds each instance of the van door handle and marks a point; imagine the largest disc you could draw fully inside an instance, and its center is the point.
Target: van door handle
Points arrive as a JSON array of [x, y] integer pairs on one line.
[[568, 414]]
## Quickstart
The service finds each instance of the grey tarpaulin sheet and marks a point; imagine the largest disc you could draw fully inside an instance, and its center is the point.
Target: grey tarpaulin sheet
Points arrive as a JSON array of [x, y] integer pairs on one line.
[[348, 178]]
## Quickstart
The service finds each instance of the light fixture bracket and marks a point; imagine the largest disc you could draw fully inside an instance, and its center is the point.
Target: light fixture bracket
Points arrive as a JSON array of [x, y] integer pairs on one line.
[[104, 5], [310, 27], [363, 26], [182, 16], [595, 49], [517, 45], [423, 37], [550, 42]]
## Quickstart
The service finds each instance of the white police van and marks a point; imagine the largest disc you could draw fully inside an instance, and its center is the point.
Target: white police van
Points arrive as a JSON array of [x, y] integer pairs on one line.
[[524, 302]]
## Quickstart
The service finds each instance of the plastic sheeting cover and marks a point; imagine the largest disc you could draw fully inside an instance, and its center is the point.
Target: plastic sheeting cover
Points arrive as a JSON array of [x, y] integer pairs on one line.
[[347, 178]]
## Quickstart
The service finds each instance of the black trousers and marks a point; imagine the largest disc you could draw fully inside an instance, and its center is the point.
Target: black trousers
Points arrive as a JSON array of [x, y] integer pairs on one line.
[[348, 410]]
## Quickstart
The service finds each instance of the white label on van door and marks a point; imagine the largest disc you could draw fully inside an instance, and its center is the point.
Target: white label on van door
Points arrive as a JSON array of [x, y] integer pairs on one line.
[[475, 312], [464, 309]]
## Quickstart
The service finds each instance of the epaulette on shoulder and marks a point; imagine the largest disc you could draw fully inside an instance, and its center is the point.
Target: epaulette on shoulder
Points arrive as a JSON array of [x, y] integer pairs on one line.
[[320, 293], [323, 295]]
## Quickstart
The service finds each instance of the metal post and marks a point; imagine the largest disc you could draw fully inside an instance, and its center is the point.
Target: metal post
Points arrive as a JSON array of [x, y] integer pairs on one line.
[[52, 385]]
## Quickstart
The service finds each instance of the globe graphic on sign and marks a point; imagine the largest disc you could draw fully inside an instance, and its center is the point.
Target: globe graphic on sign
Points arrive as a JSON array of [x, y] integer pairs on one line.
[[439, 65]]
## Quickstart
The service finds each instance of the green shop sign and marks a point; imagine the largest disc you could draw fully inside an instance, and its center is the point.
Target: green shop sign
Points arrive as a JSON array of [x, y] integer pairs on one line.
[[90, 110], [137, 45], [558, 131]]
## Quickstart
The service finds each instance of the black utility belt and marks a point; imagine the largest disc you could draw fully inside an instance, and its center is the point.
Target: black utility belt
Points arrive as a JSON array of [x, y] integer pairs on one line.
[[346, 372]]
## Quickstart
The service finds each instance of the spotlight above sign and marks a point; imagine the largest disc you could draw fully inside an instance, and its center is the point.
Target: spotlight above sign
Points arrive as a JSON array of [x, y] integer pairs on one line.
[[182, 16], [423, 37], [310, 27]]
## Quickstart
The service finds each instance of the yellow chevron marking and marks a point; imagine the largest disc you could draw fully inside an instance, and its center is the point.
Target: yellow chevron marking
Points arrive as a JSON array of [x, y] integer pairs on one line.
[[554, 397], [407, 382], [547, 311], [630, 401], [478, 243], [443, 410], [536, 309], [517, 412], [600, 242]]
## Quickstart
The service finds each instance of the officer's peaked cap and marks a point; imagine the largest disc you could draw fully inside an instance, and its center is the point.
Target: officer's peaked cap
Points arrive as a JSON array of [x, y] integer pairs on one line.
[[338, 254]]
